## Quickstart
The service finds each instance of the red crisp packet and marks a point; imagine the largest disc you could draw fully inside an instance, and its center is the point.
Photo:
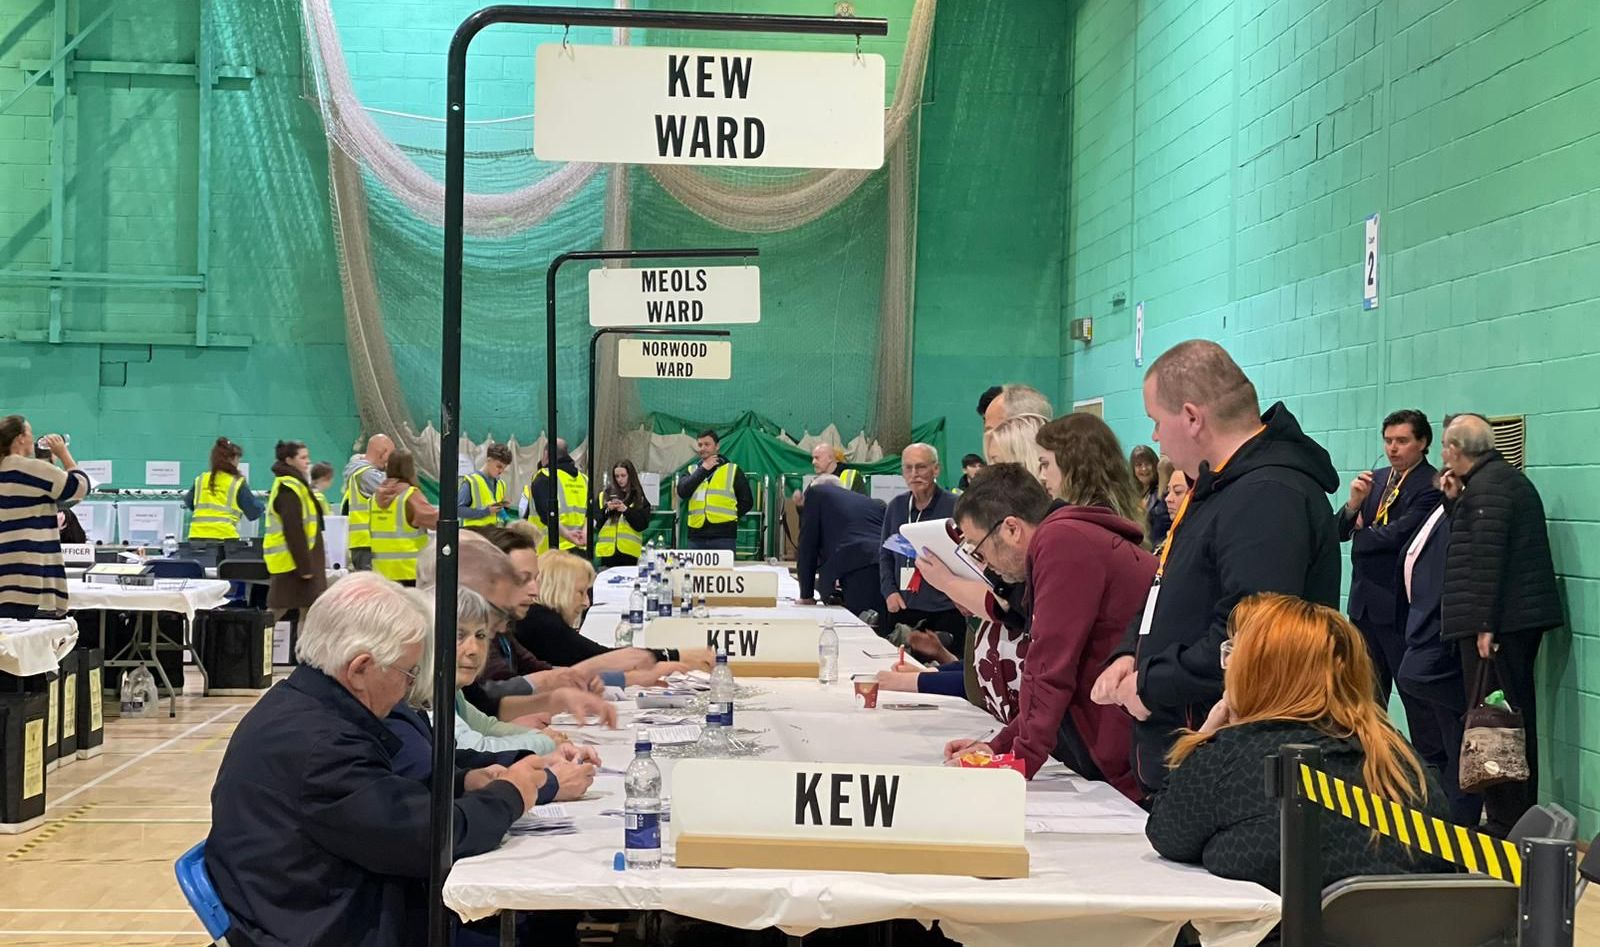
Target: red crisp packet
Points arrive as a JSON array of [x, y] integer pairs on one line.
[[1000, 761]]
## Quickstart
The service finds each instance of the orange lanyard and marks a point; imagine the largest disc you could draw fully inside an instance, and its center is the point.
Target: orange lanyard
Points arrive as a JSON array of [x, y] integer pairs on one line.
[[1391, 494], [1183, 509]]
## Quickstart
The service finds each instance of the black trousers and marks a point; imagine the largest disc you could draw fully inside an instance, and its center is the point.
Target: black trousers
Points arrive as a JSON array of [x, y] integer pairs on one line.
[[1387, 645], [858, 589], [1511, 671], [1433, 713]]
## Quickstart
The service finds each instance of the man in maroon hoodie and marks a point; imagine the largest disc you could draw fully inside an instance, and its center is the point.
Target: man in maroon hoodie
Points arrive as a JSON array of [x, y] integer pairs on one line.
[[1086, 578]]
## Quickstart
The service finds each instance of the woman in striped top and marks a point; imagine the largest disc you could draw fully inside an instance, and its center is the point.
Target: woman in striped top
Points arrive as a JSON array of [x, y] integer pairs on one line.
[[32, 579]]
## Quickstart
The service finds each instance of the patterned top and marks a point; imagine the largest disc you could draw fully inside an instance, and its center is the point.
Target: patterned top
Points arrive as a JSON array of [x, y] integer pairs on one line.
[[1214, 810], [31, 572]]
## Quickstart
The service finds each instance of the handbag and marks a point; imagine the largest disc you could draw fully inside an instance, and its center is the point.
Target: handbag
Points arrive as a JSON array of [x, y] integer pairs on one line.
[[1494, 748]]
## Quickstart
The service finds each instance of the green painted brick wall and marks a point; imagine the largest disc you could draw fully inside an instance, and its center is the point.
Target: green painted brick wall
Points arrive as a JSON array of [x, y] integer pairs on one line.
[[1224, 157], [131, 207]]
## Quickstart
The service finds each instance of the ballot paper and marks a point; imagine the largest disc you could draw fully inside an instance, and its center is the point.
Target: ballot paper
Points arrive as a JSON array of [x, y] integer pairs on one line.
[[677, 733], [943, 541], [663, 718], [545, 820]]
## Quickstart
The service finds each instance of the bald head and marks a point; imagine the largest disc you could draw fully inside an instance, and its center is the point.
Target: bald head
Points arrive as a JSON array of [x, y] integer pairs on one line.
[[379, 447], [824, 458]]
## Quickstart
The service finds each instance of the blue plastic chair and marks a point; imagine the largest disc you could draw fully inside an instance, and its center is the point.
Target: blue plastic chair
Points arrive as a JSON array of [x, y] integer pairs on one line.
[[202, 897]]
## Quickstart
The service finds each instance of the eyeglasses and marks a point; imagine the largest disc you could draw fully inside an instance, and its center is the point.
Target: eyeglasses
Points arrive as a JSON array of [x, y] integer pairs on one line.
[[1227, 653], [413, 674], [972, 549]]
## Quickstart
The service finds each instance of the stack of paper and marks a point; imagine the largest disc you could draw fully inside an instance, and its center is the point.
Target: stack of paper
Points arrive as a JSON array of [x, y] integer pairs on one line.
[[545, 820]]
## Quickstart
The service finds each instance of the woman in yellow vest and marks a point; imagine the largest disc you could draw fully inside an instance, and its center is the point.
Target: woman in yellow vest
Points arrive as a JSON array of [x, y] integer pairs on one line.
[[401, 518], [621, 514], [292, 545], [220, 497]]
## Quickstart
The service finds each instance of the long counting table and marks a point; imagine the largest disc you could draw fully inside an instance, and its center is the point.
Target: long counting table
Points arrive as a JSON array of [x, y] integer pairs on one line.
[[1094, 880]]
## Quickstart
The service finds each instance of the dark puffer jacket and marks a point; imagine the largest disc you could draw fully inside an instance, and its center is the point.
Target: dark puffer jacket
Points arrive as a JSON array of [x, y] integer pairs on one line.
[[1498, 575]]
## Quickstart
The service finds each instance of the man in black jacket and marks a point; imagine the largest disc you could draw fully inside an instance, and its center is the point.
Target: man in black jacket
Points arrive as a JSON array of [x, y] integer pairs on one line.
[[1256, 519], [839, 535], [1500, 593], [315, 839], [1383, 513]]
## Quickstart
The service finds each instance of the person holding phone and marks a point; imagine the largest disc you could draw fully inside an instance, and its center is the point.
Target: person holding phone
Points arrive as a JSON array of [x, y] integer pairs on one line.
[[620, 514]]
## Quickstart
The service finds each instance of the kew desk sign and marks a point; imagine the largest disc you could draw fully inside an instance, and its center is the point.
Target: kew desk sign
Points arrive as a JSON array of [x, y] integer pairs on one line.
[[848, 817], [756, 647]]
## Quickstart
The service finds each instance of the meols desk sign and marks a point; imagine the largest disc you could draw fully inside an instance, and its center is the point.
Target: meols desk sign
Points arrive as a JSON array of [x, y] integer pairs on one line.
[[741, 108], [848, 817], [757, 647], [686, 296], [756, 587]]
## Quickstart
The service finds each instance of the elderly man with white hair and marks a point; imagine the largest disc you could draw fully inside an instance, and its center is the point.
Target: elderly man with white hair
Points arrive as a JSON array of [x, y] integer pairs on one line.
[[910, 601], [315, 839]]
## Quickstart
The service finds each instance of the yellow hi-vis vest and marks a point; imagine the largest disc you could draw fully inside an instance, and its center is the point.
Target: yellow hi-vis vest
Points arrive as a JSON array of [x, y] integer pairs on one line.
[[714, 501], [616, 536], [216, 506], [571, 505], [322, 504], [360, 506], [850, 477], [395, 541], [482, 496], [274, 547]]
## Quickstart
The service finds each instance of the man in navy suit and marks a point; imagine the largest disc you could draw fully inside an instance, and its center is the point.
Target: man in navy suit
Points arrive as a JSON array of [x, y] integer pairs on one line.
[[1429, 677], [839, 537], [1384, 510]]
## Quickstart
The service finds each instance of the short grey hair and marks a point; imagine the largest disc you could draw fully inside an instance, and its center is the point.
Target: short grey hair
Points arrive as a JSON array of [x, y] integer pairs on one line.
[[365, 613], [827, 480], [480, 564], [1470, 434], [918, 445], [471, 609], [1024, 399]]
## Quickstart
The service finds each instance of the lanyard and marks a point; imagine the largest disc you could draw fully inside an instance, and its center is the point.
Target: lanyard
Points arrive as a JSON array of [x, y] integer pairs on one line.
[[1391, 493], [914, 515], [1183, 509]]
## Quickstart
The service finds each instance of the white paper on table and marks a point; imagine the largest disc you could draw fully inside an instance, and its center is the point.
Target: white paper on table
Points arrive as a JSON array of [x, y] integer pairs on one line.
[[1081, 816], [546, 813], [681, 733]]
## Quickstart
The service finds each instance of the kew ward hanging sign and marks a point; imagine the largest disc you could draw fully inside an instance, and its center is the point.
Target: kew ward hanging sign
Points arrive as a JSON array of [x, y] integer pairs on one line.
[[675, 296], [742, 108]]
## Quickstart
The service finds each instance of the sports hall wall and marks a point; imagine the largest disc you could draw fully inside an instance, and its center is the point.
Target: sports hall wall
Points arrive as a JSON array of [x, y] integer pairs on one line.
[[1225, 156], [129, 388]]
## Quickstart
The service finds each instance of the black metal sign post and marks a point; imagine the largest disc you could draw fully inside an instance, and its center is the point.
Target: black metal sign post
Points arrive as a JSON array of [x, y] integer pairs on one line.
[[443, 783], [550, 344], [594, 348]]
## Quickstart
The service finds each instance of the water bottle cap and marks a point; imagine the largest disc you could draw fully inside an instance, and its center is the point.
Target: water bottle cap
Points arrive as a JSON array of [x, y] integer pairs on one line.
[[722, 656]]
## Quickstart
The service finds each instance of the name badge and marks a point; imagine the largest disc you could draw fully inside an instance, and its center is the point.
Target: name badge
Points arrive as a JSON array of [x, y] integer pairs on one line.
[[906, 572], [1150, 607]]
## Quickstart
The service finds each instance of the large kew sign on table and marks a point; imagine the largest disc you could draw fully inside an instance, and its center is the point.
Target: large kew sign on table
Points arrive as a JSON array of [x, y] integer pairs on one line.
[[746, 108]]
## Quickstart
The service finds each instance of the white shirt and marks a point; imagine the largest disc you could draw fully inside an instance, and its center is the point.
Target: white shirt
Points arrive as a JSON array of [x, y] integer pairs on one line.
[[1420, 540]]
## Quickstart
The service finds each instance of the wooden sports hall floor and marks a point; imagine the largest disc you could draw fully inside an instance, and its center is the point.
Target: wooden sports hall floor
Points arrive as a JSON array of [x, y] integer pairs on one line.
[[100, 869]]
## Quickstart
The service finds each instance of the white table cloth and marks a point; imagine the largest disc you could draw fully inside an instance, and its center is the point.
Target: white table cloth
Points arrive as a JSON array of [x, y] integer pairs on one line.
[[37, 646], [1085, 889], [183, 596]]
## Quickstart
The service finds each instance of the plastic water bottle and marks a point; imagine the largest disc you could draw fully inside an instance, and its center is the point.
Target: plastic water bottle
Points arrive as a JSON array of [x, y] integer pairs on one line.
[[721, 696], [636, 607], [713, 736], [663, 596], [169, 546], [130, 698], [686, 605], [641, 808], [827, 653], [652, 595], [700, 609]]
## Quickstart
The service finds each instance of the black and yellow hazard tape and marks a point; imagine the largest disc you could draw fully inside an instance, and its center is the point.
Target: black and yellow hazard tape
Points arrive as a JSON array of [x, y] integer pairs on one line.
[[46, 832], [1460, 846]]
